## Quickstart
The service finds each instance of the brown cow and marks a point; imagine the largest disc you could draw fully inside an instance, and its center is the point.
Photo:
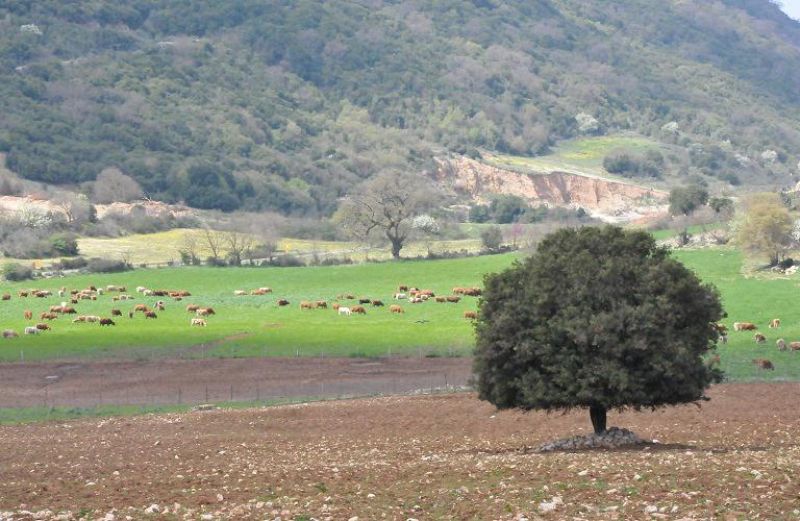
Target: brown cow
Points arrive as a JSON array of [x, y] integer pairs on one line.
[[48, 316], [794, 346], [116, 313], [150, 314], [56, 309], [441, 299], [394, 308], [377, 303], [336, 306], [759, 338], [42, 327], [283, 302], [744, 326], [107, 322], [775, 323], [22, 293], [68, 310], [191, 308], [6, 296], [470, 315], [204, 312], [28, 314], [307, 305], [763, 363], [781, 343], [141, 307], [402, 288], [10, 333], [322, 304], [359, 310], [453, 299]]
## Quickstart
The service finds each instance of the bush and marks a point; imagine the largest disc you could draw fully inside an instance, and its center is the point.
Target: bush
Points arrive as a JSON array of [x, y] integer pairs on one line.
[[788, 262], [15, 272], [630, 164], [64, 244], [492, 238], [96, 265], [285, 261], [71, 264]]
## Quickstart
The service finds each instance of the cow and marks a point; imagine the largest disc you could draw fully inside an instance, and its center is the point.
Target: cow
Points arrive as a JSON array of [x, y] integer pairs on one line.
[[198, 322], [794, 346], [763, 363], [10, 333], [759, 338], [140, 289], [160, 305], [31, 331], [775, 323], [307, 305], [48, 316], [453, 298], [28, 314], [191, 308], [56, 309], [440, 299], [744, 326], [781, 344], [6, 296], [470, 315], [364, 300], [107, 322], [416, 300], [427, 292], [265, 289], [79, 318], [344, 311], [150, 314], [377, 303], [92, 318], [400, 296], [402, 288], [141, 307], [283, 302], [336, 306], [130, 314], [394, 308], [239, 293], [42, 327], [204, 312], [116, 313], [22, 294], [68, 310], [321, 304], [360, 310]]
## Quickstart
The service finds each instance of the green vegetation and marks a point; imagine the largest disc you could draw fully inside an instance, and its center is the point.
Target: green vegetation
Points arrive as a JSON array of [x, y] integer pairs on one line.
[[255, 325], [285, 106], [599, 318]]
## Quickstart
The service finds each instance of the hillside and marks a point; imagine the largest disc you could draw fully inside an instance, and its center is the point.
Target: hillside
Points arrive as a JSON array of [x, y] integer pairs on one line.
[[285, 105]]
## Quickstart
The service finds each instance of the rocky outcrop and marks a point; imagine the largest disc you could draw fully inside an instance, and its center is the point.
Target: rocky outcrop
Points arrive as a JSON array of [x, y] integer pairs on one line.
[[606, 199]]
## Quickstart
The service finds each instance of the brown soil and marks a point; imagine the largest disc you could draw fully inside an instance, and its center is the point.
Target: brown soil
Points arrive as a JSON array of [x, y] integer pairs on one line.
[[427, 457], [169, 381]]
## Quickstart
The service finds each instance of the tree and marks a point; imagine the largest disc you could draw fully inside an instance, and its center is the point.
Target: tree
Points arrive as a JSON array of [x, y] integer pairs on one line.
[[764, 227], [492, 238], [112, 185], [683, 200], [599, 318], [386, 204]]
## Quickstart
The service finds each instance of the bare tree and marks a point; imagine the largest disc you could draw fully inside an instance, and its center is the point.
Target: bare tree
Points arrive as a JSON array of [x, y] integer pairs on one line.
[[238, 244], [189, 249], [76, 207], [213, 240], [387, 205], [113, 185]]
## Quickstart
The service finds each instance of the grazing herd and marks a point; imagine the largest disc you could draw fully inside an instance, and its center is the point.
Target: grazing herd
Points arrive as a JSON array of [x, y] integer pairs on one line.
[[92, 293], [759, 338], [200, 314]]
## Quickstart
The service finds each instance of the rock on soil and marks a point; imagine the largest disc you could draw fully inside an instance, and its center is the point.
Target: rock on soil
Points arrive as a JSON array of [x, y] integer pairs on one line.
[[613, 438]]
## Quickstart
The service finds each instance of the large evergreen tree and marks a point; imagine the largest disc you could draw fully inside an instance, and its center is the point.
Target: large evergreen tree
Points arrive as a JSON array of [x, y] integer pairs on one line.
[[599, 318]]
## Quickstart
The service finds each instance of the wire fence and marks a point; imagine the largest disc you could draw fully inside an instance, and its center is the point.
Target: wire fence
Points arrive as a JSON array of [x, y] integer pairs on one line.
[[108, 393]]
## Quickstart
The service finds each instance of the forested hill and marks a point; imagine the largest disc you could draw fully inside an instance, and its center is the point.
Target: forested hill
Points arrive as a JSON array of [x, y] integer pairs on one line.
[[285, 104]]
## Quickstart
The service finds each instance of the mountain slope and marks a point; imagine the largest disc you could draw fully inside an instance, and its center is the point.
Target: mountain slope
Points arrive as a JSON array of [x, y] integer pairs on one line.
[[284, 105]]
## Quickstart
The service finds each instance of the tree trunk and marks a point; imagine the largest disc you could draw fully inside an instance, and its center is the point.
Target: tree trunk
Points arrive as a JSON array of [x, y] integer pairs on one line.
[[397, 245], [598, 415]]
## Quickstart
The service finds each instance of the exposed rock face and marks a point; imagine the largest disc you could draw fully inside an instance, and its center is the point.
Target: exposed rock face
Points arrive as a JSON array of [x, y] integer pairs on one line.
[[605, 199]]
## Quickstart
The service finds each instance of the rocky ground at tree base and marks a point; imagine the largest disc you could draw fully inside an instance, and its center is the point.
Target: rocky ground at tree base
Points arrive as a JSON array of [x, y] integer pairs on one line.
[[613, 438]]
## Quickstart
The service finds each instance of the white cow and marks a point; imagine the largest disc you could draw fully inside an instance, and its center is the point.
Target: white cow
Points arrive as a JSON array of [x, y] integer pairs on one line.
[[345, 311]]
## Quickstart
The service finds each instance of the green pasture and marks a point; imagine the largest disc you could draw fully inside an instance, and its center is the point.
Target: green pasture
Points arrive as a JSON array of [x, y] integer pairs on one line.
[[255, 325], [583, 156]]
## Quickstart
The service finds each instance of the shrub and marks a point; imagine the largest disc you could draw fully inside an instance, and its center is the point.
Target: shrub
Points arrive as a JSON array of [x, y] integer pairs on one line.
[[96, 265], [75, 263], [285, 261], [14, 272], [492, 238]]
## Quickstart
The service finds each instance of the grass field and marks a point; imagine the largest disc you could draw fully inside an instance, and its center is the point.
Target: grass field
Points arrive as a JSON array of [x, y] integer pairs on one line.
[[255, 326], [163, 247], [579, 156]]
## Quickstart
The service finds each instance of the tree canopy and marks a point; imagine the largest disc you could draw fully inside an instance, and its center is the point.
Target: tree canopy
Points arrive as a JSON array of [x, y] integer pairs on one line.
[[764, 227], [600, 318]]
